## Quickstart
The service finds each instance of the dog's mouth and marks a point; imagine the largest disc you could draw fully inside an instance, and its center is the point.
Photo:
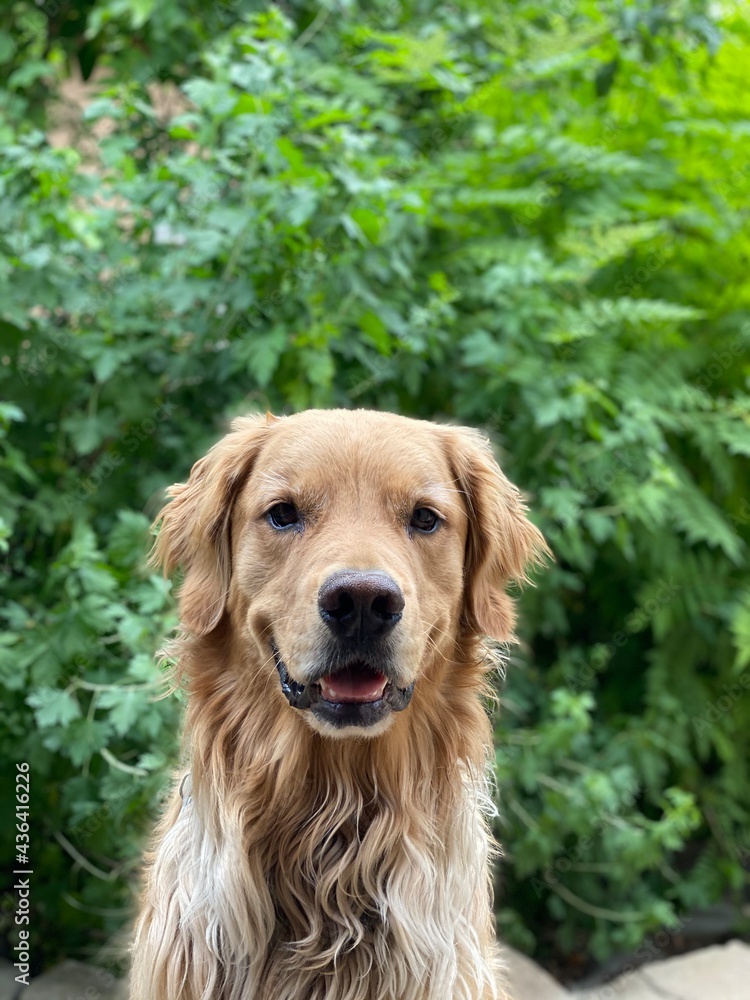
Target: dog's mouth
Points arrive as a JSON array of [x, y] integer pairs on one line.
[[357, 684], [356, 694]]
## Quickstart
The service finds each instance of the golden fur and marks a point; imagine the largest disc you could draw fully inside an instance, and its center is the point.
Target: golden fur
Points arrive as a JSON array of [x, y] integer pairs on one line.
[[302, 862]]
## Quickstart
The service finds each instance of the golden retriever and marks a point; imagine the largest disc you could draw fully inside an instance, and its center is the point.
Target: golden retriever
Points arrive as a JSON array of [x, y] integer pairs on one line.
[[328, 837]]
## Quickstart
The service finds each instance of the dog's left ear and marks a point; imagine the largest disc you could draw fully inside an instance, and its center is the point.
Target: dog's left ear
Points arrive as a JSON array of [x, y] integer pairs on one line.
[[195, 528], [501, 543]]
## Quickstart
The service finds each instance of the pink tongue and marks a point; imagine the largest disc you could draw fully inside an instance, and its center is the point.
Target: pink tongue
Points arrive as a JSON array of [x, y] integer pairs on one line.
[[353, 685]]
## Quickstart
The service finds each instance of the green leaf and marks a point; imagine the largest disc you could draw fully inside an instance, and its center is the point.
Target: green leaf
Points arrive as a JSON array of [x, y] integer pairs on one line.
[[125, 708], [7, 47], [84, 737], [741, 631], [29, 73], [259, 354], [53, 707]]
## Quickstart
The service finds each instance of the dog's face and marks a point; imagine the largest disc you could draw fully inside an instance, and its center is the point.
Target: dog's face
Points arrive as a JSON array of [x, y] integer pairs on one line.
[[349, 560], [350, 550]]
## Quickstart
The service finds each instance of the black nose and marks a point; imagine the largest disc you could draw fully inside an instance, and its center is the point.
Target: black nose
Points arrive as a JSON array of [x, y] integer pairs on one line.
[[360, 605]]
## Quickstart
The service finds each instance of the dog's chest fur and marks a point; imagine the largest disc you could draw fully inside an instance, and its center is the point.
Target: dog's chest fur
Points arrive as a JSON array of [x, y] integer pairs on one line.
[[338, 907]]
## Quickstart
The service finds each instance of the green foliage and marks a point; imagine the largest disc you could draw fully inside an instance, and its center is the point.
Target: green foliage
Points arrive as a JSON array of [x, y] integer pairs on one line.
[[500, 215]]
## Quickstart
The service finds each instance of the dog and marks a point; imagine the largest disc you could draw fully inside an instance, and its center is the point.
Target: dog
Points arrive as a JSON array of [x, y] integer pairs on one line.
[[328, 837]]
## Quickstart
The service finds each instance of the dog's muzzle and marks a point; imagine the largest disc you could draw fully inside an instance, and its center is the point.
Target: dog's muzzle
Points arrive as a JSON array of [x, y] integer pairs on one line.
[[355, 694]]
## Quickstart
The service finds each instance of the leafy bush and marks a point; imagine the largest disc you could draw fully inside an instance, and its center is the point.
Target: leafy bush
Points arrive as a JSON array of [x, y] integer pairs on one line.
[[503, 216]]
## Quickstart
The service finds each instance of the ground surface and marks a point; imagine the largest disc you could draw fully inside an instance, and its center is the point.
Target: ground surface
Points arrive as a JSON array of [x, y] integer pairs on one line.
[[721, 972]]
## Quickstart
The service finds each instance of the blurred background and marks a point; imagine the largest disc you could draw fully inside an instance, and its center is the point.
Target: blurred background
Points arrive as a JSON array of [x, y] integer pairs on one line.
[[527, 216]]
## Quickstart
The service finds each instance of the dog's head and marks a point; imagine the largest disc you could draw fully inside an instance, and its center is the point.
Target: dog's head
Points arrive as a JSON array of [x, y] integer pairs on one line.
[[350, 551]]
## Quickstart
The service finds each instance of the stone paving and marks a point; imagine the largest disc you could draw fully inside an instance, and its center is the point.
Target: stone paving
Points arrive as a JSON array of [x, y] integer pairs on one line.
[[721, 972]]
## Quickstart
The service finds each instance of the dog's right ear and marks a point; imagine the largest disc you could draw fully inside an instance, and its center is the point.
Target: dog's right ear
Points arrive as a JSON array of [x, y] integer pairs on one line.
[[195, 528], [501, 544]]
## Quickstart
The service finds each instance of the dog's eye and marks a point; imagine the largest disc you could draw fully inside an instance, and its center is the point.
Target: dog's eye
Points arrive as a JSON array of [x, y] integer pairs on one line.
[[424, 519], [283, 515]]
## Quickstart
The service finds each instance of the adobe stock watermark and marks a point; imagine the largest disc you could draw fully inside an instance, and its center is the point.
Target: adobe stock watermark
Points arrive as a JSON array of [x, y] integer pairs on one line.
[[735, 180], [598, 484], [715, 710], [448, 128], [290, 279], [550, 190], [634, 622], [608, 312], [22, 871], [634, 280], [136, 434], [574, 855], [721, 362], [35, 359], [651, 948], [603, 481], [383, 367]]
